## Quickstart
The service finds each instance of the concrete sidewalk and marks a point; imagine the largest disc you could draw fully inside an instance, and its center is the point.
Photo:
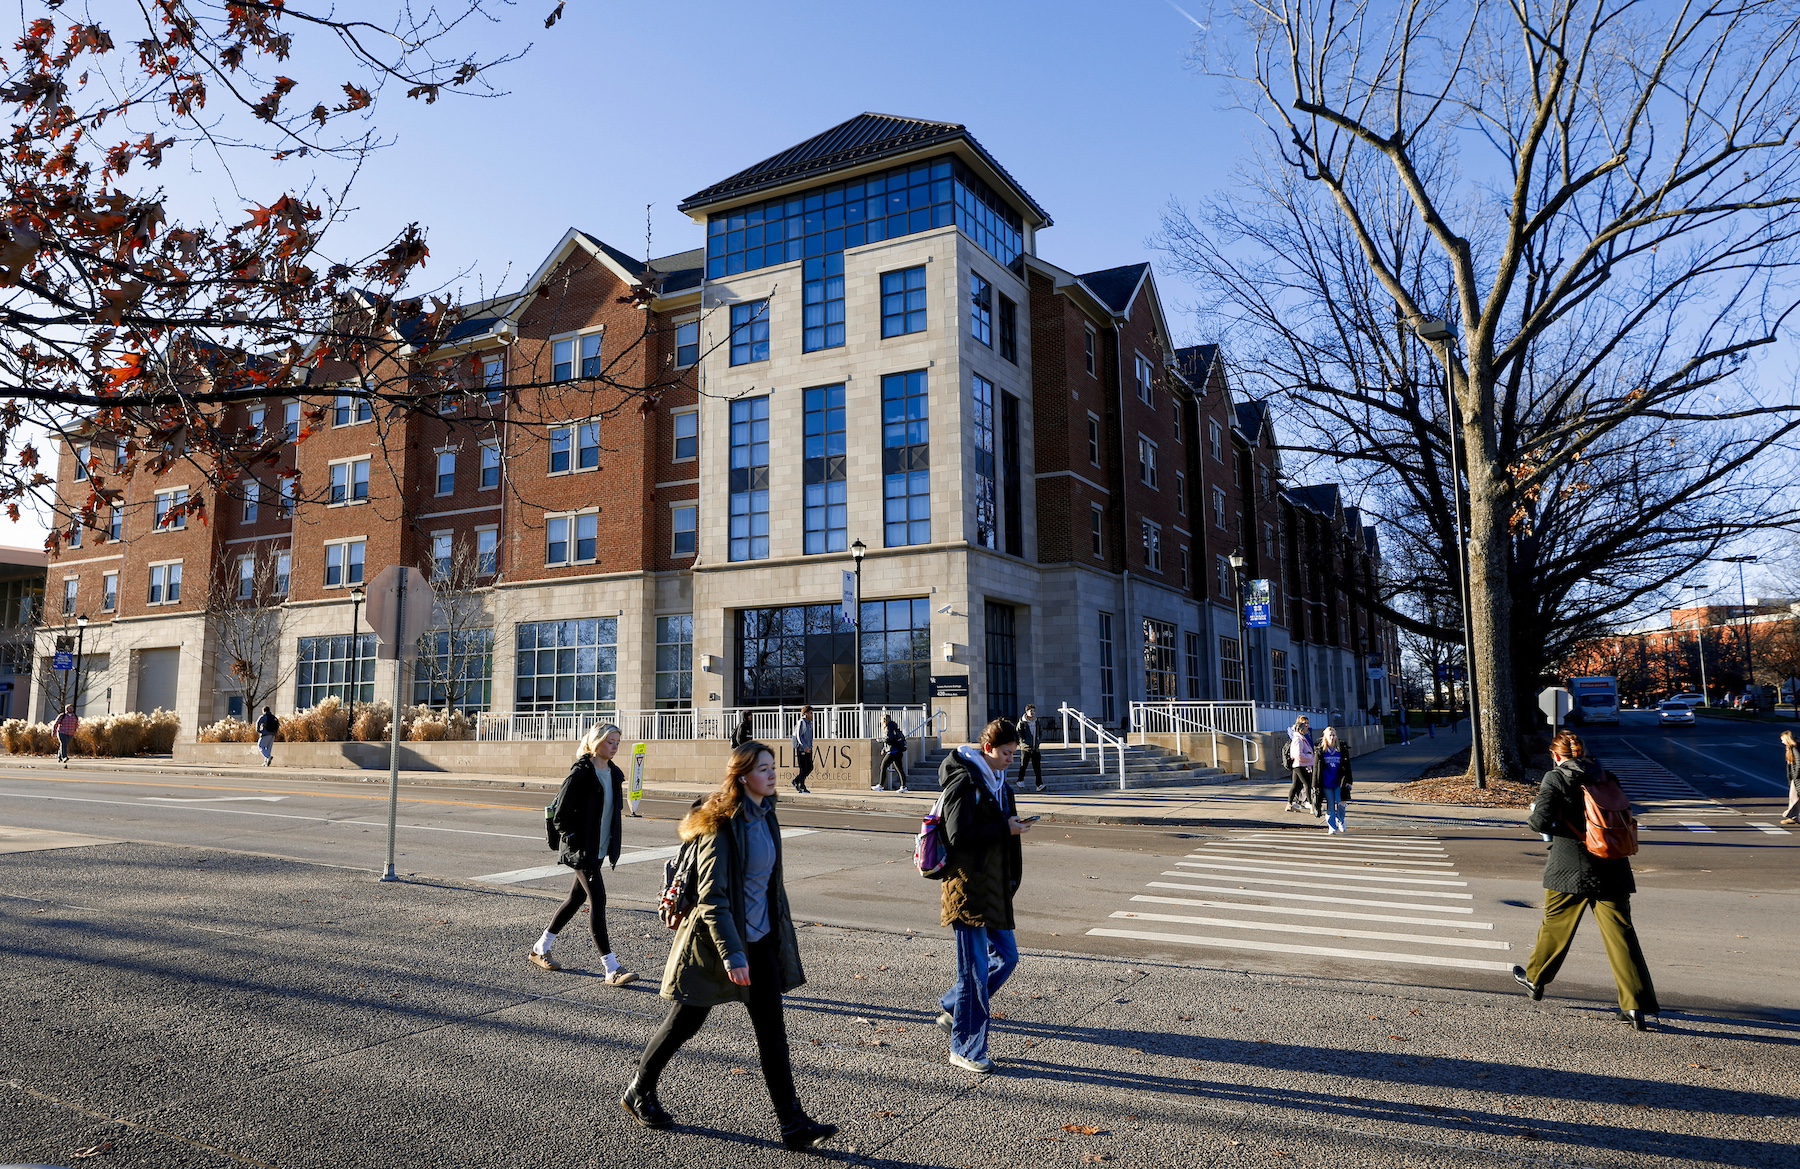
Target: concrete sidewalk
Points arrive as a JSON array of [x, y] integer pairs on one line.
[[175, 1008]]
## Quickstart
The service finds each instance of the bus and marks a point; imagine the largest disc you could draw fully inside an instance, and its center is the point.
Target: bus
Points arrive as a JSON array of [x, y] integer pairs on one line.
[[1596, 700]]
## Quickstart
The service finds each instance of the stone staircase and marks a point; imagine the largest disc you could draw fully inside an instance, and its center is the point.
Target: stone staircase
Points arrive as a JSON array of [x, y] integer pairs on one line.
[[1064, 771]]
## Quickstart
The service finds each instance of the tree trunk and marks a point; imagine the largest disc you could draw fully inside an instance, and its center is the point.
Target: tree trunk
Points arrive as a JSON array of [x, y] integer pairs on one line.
[[1490, 608]]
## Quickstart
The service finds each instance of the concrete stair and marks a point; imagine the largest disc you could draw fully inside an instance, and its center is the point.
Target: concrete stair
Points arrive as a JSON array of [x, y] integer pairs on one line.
[[1064, 771]]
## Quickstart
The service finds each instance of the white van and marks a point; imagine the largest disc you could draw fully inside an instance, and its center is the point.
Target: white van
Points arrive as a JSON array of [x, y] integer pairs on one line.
[[1596, 700]]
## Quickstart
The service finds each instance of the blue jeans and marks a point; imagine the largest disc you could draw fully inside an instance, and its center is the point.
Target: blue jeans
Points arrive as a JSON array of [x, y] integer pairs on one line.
[[1334, 808], [985, 959]]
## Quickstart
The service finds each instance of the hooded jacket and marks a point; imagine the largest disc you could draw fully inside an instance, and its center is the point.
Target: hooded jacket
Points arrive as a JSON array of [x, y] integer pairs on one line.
[[985, 861], [714, 934], [1561, 811], [580, 808]]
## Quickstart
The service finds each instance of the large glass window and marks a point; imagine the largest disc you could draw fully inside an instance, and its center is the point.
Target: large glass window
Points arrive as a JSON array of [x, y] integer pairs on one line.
[[826, 518], [339, 665], [675, 662], [566, 667], [1160, 683], [823, 295], [1278, 674], [1196, 649], [986, 493], [456, 671], [806, 653], [1108, 682], [750, 479], [1231, 669], [1009, 329], [981, 310], [905, 459], [903, 302], [749, 332], [828, 219], [1002, 662]]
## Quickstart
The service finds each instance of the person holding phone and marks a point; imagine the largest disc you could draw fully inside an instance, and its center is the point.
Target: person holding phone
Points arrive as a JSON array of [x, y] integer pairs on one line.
[[983, 868]]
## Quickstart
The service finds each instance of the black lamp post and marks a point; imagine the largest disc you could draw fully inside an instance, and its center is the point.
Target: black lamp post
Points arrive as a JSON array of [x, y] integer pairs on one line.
[[857, 551], [353, 659], [1237, 576], [81, 624]]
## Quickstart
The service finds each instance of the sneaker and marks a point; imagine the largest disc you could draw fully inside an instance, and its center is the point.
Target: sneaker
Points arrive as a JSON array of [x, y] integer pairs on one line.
[[1291, 807], [902, 789], [620, 977], [980, 1066], [1532, 989], [1791, 820], [946, 1023], [1038, 788], [542, 961], [874, 787]]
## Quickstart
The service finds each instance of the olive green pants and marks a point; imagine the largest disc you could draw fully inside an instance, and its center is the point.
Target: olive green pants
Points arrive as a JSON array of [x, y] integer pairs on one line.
[[1562, 914]]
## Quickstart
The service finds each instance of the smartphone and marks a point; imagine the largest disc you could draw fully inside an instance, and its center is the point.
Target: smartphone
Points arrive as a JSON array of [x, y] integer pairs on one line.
[[1029, 819]]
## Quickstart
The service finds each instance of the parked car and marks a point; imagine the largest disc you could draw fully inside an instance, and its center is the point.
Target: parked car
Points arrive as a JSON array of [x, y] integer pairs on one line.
[[1689, 699], [1675, 714]]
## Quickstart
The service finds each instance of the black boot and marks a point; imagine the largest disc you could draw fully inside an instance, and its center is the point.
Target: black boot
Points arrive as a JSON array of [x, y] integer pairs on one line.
[[801, 1132], [1635, 1018], [641, 1104]]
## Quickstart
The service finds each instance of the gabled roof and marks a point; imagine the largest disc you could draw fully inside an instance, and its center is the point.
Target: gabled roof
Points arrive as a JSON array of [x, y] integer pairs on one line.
[[635, 268], [1116, 287], [863, 139], [1195, 363], [1322, 498], [1252, 419], [679, 272]]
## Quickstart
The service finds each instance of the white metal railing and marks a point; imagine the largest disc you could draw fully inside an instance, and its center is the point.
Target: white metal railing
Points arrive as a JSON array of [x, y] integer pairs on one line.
[[1175, 718], [767, 723], [1103, 739], [940, 718]]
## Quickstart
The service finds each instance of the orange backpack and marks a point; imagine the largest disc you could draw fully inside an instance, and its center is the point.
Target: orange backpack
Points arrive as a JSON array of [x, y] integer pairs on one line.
[[1610, 830]]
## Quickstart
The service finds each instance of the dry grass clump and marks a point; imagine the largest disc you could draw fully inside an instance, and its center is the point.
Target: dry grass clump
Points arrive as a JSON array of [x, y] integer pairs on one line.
[[328, 722], [422, 724], [228, 730], [115, 735]]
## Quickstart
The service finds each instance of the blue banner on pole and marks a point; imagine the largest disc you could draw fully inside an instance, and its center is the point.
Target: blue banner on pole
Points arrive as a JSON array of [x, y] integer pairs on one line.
[[64, 660], [1256, 604]]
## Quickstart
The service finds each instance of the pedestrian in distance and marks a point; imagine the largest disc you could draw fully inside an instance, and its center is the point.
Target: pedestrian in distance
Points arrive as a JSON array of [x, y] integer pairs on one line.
[[267, 727], [589, 819], [1031, 748], [1333, 768], [1299, 757], [737, 945], [983, 867], [67, 726], [1575, 880], [743, 732], [1792, 747], [894, 757], [803, 748]]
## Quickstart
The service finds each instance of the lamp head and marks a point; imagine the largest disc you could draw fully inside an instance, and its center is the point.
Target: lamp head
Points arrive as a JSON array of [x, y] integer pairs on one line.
[[82, 620], [1237, 559], [357, 595], [858, 550], [1434, 329]]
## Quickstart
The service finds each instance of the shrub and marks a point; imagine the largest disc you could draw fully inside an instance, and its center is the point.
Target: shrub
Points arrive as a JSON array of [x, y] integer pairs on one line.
[[16, 734], [373, 721], [228, 730], [328, 722], [114, 735]]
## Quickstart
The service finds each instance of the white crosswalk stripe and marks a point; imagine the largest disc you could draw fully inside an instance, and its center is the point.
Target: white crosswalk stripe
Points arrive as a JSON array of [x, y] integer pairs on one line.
[[1774, 829], [1656, 790], [1242, 895]]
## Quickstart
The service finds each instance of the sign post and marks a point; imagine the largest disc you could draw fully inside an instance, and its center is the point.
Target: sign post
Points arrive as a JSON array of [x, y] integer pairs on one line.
[[635, 792], [1556, 703], [400, 604]]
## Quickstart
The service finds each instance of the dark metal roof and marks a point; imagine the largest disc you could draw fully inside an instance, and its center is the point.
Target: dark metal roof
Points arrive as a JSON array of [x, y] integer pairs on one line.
[[1114, 287], [1252, 419], [679, 272], [633, 266], [1195, 364], [865, 138], [472, 328], [1322, 498]]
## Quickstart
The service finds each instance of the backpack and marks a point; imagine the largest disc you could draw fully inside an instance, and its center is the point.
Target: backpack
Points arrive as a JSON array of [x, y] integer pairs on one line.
[[1287, 754], [931, 854], [1610, 829], [550, 831], [681, 878]]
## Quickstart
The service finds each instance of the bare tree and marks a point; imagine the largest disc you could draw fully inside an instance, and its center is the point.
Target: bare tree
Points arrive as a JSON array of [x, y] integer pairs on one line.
[[455, 658], [1597, 196], [246, 610]]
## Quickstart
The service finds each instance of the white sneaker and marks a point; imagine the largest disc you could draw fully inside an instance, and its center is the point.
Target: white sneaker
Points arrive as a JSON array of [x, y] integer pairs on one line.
[[946, 1023], [981, 1066]]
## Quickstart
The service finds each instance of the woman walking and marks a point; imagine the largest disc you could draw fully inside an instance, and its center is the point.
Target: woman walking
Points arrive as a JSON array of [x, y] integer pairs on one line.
[[983, 868], [803, 748], [743, 732], [1333, 770], [1576, 880], [895, 758], [589, 821], [1300, 757], [1792, 746], [737, 945]]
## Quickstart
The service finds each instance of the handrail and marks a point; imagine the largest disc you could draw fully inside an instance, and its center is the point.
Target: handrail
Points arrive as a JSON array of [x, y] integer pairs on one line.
[[1102, 740], [940, 717], [1252, 745]]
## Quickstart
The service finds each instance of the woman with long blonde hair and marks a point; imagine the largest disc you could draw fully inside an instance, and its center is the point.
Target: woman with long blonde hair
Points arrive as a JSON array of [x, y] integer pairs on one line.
[[1792, 747], [737, 945], [588, 821]]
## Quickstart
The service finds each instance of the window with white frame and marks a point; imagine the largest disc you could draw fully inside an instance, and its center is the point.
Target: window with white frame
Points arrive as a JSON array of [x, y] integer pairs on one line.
[[350, 481], [446, 472], [1215, 439], [344, 563], [109, 592], [75, 534], [290, 421], [171, 510], [675, 662], [349, 409], [289, 488], [687, 344], [575, 447], [442, 552], [71, 593], [121, 452], [1218, 508], [1269, 540], [1097, 530], [1147, 463], [687, 435], [284, 571], [81, 463], [1175, 413], [1222, 567], [1090, 351], [684, 526], [487, 551], [1152, 546], [246, 580], [258, 418], [564, 354], [1265, 482], [571, 539], [1094, 439], [1180, 493], [1144, 371], [1187, 568], [252, 499], [490, 465], [493, 378], [165, 584]]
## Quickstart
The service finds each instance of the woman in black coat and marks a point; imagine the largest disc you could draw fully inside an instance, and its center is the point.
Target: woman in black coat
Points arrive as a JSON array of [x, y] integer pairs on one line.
[[589, 820], [1576, 880]]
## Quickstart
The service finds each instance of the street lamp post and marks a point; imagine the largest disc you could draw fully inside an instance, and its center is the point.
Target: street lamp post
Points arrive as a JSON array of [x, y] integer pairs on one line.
[[354, 656], [1430, 330], [857, 551], [1237, 576], [1700, 644], [81, 624], [1744, 610]]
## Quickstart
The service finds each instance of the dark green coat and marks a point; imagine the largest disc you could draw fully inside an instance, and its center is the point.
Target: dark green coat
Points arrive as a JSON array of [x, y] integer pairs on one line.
[[696, 971], [985, 860], [1561, 811]]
